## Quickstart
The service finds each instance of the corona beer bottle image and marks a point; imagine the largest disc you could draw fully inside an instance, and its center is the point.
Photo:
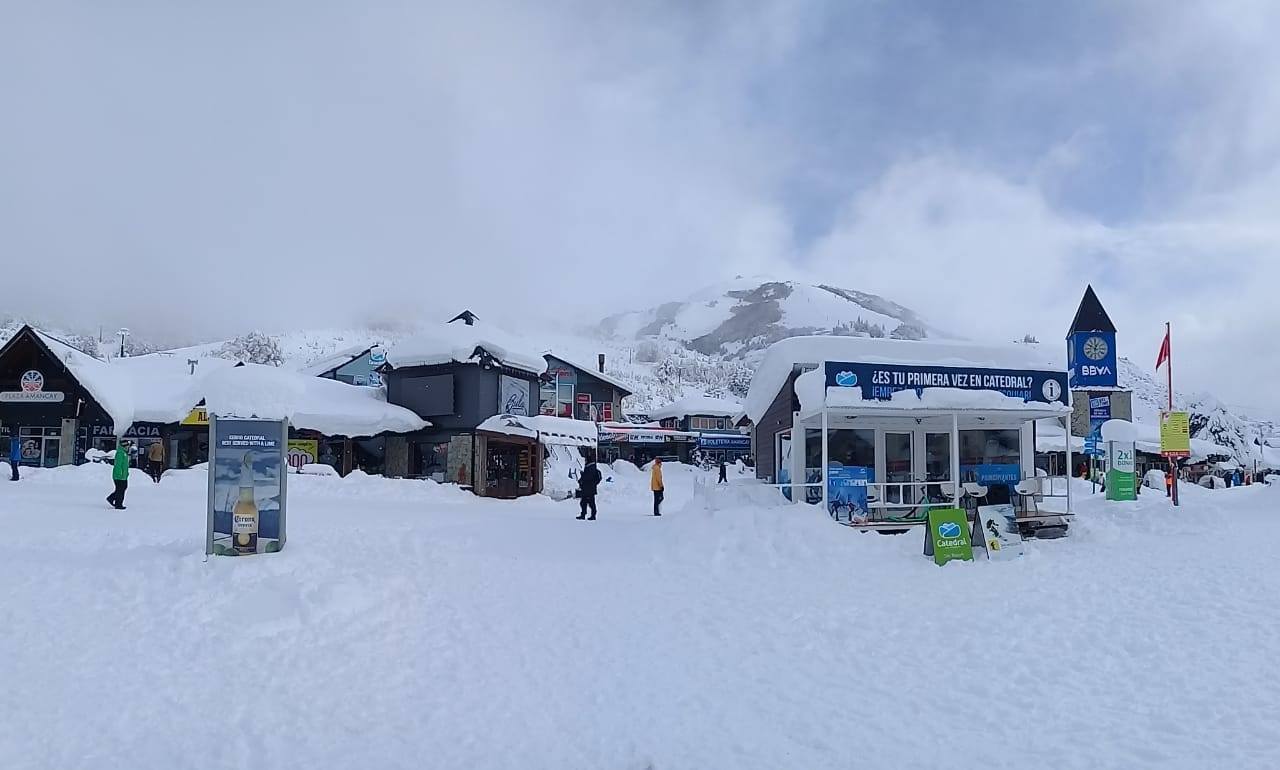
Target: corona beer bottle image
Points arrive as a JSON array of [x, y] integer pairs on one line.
[[244, 516]]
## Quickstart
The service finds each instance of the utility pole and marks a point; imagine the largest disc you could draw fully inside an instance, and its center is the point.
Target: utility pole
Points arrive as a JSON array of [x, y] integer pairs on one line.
[[124, 332]]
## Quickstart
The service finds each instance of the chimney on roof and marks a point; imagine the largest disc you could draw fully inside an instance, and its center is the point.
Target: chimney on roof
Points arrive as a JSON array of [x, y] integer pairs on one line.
[[467, 317], [600, 362]]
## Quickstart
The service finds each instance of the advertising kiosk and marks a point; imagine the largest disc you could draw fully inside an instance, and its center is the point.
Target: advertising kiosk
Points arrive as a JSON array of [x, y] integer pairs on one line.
[[880, 431]]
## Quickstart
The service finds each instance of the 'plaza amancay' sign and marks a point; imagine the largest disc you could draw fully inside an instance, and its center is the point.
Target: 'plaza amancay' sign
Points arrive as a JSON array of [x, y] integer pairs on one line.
[[880, 381]]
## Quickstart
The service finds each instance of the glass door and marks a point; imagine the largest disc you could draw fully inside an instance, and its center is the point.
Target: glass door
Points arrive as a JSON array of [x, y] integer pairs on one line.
[[49, 457], [899, 467], [937, 464]]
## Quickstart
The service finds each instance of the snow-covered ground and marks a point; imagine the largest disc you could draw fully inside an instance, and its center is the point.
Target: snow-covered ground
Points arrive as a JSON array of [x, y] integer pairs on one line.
[[410, 625]]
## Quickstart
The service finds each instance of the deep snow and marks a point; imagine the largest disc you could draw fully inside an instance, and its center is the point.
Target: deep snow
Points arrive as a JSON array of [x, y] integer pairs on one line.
[[409, 625]]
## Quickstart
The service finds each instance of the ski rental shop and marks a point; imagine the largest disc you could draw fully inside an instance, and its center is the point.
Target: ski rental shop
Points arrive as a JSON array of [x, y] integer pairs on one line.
[[901, 426]]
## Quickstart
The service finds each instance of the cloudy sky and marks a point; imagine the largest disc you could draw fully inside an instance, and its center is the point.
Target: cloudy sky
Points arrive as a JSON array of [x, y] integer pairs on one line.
[[207, 168]]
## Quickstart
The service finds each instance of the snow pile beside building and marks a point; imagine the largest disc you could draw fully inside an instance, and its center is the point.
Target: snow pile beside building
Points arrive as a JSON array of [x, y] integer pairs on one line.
[[311, 403]]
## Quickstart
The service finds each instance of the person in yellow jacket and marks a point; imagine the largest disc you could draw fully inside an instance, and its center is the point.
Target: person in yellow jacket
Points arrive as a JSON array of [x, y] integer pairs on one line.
[[655, 484]]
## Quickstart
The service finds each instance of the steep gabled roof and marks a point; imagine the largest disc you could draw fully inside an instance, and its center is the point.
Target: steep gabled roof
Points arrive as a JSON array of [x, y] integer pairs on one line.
[[1091, 316], [608, 379]]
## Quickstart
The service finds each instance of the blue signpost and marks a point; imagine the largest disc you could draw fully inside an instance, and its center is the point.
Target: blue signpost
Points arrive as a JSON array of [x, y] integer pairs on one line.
[[1099, 412]]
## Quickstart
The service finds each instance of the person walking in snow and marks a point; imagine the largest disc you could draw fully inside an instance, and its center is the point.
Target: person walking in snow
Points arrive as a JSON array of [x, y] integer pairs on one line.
[[155, 460], [655, 484], [15, 455], [724, 473], [588, 483], [120, 475]]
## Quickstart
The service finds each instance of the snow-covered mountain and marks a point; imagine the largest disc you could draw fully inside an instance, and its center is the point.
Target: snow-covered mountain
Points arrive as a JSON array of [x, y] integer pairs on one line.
[[746, 314]]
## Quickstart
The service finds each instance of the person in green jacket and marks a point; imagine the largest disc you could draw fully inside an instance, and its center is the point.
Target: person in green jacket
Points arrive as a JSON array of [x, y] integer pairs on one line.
[[120, 475]]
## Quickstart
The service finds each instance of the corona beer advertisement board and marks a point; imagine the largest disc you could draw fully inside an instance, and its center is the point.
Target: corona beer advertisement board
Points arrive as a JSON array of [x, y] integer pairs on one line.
[[247, 481]]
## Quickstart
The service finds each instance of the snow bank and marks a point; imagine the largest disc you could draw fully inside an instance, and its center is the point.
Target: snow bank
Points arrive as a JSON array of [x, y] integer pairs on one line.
[[697, 405], [329, 406], [783, 357], [457, 342], [1119, 431]]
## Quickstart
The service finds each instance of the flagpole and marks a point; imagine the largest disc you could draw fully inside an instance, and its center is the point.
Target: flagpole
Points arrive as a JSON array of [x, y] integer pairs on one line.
[[1173, 463]]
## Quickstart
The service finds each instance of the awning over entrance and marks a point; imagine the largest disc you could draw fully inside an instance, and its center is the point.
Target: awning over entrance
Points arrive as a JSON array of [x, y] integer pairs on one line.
[[549, 430]]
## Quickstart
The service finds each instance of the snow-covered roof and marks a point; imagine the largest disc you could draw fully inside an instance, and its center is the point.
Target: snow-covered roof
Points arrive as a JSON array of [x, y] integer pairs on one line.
[[157, 387], [785, 355], [334, 360], [163, 387], [312, 403], [459, 342], [609, 378], [697, 405], [549, 429], [108, 388]]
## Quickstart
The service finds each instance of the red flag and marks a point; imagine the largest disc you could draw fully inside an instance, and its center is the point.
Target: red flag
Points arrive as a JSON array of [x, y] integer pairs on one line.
[[1164, 351]]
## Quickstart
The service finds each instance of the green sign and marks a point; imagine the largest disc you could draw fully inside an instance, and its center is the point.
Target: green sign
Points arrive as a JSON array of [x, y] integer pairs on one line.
[[949, 534], [1120, 473]]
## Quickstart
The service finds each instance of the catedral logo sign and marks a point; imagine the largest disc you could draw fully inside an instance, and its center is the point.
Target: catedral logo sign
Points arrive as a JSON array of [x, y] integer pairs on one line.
[[880, 381], [31, 391]]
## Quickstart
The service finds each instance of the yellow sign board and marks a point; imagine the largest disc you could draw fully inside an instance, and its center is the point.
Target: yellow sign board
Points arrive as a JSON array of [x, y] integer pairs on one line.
[[1175, 434], [197, 416], [302, 452]]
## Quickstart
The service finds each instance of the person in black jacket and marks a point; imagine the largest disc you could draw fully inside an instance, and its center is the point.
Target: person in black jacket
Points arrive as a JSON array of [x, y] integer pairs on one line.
[[588, 483]]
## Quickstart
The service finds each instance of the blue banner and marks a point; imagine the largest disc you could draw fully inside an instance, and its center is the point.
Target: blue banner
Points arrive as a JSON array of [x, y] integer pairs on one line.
[[881, 381], [738, 442], [1091, 359], [992, 473], [847, 492]]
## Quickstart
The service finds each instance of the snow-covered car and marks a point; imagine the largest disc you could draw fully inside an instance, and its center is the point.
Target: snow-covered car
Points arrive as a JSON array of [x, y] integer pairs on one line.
[[1210, 481]]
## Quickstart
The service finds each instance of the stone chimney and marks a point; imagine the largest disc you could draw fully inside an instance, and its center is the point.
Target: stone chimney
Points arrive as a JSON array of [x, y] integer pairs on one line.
[[600, 362]]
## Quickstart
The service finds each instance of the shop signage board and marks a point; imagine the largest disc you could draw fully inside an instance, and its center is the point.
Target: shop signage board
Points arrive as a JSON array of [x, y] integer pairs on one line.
[[247, 486], [710, 441], [1099, 410], [947, 536], [1093, 444], [996, 531], [31, 391], [197, 416], [302, 451], [1121, 471], [881, 381], [847, 492], [513, 396], [1175, 434]]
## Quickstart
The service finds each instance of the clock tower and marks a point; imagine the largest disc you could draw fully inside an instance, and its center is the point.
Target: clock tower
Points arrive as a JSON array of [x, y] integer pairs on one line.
[[1092, 370]]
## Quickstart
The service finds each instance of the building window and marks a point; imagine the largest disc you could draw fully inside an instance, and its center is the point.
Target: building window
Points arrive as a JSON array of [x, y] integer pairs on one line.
[[706, 423]]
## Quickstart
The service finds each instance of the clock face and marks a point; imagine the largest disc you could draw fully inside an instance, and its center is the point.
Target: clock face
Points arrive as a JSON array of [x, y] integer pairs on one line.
[[1095, 349]]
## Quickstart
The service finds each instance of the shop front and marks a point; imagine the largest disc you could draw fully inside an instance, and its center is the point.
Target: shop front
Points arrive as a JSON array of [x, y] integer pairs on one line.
[[724, 447], [510, 451], [42, 402], [908, 434], [642, 444]]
